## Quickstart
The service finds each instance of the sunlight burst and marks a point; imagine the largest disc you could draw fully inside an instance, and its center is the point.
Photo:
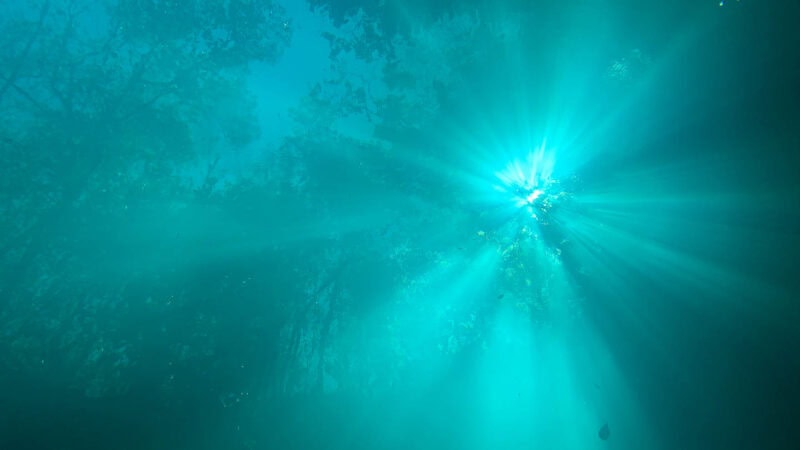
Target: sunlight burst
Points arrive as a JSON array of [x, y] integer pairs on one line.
[[529, 182]]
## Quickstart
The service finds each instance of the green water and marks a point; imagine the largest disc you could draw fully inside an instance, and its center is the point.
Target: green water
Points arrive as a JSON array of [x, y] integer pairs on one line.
[[399, 225]]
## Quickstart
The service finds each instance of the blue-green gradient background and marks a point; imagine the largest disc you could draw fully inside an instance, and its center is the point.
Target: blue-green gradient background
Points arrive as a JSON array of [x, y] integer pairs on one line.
[[320, 251]]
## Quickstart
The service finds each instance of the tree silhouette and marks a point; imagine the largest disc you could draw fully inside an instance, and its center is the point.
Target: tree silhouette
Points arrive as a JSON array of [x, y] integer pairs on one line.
[[100, 103]]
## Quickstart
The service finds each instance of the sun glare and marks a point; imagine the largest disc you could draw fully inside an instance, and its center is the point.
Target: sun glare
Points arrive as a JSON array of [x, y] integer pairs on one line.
[[529, 183]]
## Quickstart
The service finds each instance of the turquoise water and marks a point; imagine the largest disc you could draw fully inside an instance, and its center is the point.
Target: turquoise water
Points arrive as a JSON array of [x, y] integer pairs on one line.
[[399, 225]]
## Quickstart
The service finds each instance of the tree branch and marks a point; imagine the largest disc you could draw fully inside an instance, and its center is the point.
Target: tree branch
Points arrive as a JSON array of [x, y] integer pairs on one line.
[[28, 45]]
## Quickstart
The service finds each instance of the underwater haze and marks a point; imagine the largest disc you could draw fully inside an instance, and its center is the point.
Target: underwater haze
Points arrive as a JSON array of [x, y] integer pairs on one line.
[[386, 224]]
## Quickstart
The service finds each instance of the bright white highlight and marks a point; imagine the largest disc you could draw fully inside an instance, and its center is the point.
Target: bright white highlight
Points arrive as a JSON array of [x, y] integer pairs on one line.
[[527, 181], [533, 196]]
